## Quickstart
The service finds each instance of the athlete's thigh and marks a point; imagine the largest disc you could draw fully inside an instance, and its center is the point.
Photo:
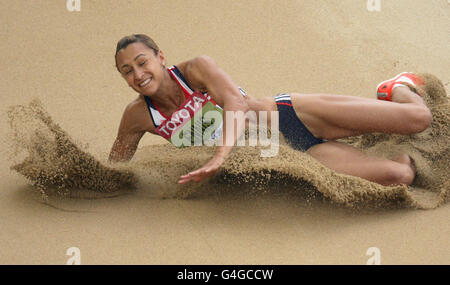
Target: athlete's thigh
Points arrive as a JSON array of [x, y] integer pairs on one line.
[[336, 116], [313, 110]]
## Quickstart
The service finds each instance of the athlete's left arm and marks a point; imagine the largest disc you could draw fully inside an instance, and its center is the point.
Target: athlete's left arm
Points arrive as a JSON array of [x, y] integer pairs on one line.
[[205, 72]]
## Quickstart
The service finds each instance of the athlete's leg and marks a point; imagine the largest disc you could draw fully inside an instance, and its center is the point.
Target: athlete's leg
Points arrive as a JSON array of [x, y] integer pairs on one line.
[[346, 159], [337, 116]]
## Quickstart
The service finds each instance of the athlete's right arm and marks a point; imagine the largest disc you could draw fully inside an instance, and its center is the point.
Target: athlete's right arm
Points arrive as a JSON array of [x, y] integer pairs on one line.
[[128, 137]]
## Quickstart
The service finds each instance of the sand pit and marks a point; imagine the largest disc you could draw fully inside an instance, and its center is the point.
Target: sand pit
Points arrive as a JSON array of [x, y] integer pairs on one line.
[[55, 164], [260, 213]]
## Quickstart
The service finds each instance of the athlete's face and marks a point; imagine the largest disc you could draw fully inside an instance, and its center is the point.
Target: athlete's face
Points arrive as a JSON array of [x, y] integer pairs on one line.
[[141, 68]]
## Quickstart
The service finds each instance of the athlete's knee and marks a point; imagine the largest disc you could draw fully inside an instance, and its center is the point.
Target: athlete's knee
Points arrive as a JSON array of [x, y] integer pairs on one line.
[[419, 119], [425, 119], [397, 174]]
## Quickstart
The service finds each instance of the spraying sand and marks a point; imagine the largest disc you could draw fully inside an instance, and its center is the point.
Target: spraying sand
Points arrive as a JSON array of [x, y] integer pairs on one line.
[[54, 161]]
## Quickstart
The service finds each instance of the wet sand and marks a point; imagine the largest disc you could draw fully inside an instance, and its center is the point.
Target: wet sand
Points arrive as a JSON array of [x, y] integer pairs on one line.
[[62, 59]]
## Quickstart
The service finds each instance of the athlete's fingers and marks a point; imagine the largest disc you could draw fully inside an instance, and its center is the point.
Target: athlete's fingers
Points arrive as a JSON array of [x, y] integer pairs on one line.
[[184, 180], [198, 175], [191, 176], [184, 176], [198, 179], [196, 172]]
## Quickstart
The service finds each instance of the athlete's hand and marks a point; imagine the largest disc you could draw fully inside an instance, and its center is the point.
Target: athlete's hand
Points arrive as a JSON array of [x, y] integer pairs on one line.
[[207, 170]]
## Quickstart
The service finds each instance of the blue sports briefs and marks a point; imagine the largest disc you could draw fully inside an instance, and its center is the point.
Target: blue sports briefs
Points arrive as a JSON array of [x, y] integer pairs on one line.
[[292, 128]]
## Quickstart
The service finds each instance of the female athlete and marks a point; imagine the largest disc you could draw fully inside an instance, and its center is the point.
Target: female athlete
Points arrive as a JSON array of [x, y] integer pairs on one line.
[[309, 122]]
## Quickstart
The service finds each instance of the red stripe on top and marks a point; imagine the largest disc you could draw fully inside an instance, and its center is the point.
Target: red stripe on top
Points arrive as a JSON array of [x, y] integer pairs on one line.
[[211, 99], [157, 108], [287, 104], [185, 91]]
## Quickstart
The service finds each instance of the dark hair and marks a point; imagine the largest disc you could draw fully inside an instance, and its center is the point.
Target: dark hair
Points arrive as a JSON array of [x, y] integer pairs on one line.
[[136, 38]]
